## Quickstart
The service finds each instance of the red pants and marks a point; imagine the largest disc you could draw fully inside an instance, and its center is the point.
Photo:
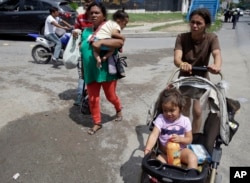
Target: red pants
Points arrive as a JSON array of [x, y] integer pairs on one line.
[[109, 89]]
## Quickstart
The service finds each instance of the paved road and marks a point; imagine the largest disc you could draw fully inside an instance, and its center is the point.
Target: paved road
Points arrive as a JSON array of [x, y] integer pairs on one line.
[[43, 136]]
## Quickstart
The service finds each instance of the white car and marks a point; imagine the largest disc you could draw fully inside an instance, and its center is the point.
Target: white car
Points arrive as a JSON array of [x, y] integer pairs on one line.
[[247, 12], [241, 13]]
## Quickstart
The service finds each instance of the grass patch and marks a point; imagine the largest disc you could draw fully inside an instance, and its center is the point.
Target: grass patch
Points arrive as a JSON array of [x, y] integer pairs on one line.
[[215, 26], [158, 28], [137, 19], [153, 17]]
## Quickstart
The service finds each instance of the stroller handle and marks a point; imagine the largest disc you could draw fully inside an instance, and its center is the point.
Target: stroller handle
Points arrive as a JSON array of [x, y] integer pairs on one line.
[[195, 68]]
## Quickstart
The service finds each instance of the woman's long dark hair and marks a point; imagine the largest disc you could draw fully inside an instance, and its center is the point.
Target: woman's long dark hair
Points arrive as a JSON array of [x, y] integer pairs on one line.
[[204, 13]]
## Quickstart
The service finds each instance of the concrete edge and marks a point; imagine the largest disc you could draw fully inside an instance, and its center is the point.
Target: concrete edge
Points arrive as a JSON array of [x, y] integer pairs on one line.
[[150, 34]]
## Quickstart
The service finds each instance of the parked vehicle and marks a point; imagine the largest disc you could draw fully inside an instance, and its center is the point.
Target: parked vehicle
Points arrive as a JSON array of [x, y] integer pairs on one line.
[[247, 12], [28, 16], [43, 51]]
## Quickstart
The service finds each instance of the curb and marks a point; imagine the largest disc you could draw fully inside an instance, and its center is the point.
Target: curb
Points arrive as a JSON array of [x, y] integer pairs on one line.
[[150, 34], [145, 30]]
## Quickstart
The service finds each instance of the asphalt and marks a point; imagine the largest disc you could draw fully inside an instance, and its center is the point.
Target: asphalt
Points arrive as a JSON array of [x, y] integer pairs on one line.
[[44, 137]]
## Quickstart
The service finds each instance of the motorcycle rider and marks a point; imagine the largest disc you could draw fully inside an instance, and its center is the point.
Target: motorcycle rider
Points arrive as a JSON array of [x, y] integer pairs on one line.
[[52, 22]]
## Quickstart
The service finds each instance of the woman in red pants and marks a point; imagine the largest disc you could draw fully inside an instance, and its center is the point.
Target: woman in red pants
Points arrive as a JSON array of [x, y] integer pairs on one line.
[[97, 78]]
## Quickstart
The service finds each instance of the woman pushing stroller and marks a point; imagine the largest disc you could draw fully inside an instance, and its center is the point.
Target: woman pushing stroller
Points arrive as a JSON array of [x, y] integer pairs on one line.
[[194, 49]]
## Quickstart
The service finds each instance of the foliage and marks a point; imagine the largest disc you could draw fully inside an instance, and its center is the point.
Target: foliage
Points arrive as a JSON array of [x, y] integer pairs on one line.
[[216, 25], [153, 17], [73, 5]]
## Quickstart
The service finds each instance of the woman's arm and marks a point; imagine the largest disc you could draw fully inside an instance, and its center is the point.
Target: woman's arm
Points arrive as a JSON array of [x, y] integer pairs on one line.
[[184, 66], [111, 43], [117, 35], [215, 68], [177, 58]]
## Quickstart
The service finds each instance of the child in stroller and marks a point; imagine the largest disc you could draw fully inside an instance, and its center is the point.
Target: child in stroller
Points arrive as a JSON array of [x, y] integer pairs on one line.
[[171, 125], [218, 127]]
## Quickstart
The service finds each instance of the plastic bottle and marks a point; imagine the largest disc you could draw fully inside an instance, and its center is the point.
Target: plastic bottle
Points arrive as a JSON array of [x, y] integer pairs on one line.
[[173, 153]]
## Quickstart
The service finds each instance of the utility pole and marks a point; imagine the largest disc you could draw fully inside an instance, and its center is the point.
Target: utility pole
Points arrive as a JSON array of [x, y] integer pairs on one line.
[[228, 4]]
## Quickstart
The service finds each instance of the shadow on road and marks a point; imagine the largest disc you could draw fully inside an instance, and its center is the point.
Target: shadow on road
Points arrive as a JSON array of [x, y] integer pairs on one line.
[[75, 113], [131, 170]]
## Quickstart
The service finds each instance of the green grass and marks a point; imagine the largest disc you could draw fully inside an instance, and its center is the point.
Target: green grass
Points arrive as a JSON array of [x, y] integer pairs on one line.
[[137, 19], [215, 26], [158, 28], [152, 17]]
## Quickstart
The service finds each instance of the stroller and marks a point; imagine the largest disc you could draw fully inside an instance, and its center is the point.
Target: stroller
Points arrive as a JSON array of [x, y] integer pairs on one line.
[[218, 127]]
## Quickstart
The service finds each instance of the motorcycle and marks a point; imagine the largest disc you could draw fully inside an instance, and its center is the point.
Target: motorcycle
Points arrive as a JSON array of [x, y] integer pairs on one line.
[[43, 51]]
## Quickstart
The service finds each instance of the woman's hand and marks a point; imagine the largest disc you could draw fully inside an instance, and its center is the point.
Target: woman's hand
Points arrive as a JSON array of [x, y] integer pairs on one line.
[[75, 34], [186, 67], [214, 69]]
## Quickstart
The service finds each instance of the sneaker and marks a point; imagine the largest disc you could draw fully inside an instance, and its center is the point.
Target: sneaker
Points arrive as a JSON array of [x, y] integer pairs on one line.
[[78, 100], [54, 60], [123, 74]]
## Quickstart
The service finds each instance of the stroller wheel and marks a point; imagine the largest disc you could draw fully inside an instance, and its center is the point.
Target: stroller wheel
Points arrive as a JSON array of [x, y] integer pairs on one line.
[[144, 178], [218, 178]]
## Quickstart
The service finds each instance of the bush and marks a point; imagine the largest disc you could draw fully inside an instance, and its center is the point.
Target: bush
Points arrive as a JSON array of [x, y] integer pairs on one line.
[[74, 5]]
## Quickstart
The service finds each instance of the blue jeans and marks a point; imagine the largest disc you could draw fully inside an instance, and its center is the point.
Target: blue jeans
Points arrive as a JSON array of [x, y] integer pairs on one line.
[[55, 39]]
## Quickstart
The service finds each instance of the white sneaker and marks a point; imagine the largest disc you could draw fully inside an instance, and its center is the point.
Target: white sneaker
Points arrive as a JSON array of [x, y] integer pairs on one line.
[[54, 59]]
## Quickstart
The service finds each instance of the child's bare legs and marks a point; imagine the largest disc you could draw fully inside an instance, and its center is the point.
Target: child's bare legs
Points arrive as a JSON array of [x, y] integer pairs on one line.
[[107, 55], [188, 157]]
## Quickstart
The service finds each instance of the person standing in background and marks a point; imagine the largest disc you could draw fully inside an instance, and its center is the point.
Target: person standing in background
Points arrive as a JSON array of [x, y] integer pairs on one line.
[[81, 23], [235, 18]]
